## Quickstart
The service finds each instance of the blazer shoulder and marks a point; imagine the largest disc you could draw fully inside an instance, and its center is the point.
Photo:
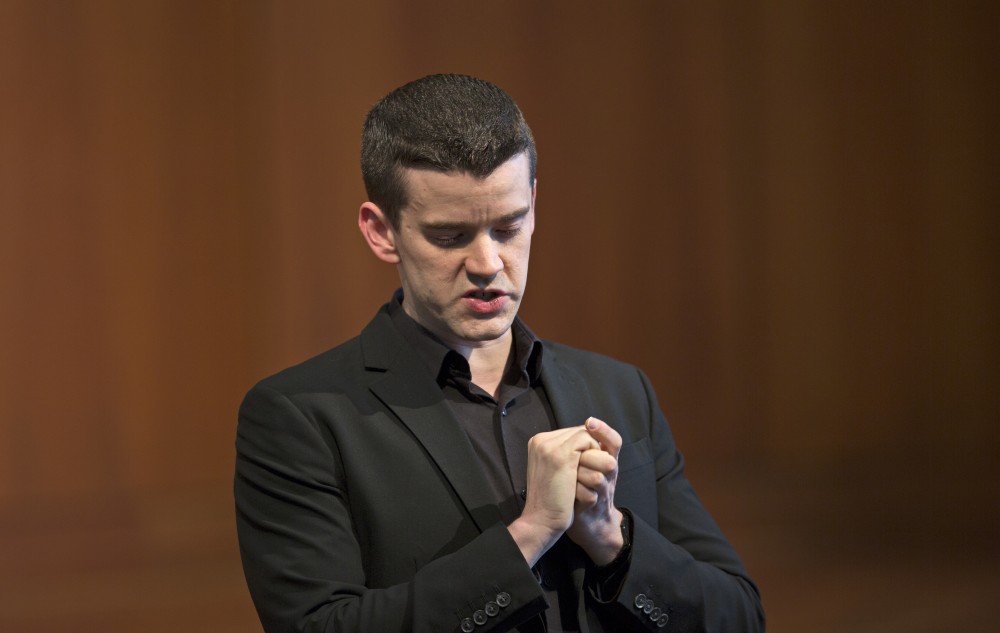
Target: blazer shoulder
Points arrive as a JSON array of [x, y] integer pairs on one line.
[[346, 368], [587, 362], [332, 370]]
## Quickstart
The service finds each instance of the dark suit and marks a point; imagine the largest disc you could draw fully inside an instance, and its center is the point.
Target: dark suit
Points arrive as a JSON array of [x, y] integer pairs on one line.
[[361, 507]]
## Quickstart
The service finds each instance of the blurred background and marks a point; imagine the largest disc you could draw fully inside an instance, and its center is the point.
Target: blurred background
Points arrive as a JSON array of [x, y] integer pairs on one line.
[[785, 212]]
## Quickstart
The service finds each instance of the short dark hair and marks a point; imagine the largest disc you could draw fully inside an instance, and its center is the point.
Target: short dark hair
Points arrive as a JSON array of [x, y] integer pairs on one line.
[[440, 122]]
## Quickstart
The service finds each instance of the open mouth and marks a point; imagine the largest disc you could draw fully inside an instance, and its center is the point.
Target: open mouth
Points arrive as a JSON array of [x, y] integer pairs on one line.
[[483, 295], [486, 303]]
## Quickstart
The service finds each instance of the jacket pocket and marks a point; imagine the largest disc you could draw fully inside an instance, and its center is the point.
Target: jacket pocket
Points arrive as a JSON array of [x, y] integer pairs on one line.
[[636, 485]]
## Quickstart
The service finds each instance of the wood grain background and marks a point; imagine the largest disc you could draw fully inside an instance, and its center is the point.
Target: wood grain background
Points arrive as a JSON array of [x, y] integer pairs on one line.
[[785, 212]]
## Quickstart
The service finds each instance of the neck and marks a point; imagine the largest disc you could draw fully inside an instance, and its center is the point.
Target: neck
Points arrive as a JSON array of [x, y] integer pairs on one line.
[[488, 363]]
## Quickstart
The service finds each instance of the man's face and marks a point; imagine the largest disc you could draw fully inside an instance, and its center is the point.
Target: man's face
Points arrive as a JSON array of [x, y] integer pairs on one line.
[[463, 245]]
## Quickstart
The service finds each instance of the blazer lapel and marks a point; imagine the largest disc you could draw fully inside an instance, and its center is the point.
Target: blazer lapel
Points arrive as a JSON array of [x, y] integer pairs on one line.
[[568, 396], [406, 388]]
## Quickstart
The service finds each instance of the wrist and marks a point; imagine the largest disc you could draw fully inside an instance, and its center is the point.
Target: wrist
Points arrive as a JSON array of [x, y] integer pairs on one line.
[[626, 535], [614, 542], [532, 539]]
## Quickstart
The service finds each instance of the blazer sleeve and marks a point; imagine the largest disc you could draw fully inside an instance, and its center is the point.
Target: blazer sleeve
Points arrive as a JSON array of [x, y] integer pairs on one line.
[[683, 574], [304, 564]]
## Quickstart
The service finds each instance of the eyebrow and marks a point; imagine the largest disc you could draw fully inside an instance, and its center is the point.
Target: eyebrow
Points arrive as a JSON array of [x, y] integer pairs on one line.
[[508, 218]]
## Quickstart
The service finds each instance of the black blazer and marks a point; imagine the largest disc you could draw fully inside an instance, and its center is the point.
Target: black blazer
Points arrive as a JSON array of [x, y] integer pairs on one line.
[[361, 508]]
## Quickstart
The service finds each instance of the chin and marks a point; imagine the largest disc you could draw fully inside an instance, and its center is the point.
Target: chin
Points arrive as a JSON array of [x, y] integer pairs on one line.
[[489, 332]]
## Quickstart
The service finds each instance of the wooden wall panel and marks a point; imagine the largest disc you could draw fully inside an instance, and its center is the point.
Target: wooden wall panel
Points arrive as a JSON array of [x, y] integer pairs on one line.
[[785, 212]]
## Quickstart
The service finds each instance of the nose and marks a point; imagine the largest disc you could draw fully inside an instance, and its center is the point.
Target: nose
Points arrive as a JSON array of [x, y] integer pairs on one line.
[[483, 258]]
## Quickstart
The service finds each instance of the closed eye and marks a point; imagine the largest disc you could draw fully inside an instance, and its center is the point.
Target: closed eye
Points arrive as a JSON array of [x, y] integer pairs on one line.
[[452, 235], [447, 240], [508, 233]]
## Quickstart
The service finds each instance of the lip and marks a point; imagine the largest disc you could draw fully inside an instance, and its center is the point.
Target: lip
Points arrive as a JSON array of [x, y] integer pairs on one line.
[[475, 303]]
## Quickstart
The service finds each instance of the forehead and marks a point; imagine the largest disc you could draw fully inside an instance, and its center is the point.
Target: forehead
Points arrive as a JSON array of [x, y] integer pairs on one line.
[[460, 196]]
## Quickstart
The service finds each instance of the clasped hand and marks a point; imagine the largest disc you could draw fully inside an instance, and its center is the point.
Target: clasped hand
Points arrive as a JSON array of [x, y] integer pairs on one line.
[[571, 485]]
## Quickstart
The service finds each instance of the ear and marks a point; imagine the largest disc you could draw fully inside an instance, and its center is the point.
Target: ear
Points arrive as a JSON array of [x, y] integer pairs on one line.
[[534, 190], [378, 232]]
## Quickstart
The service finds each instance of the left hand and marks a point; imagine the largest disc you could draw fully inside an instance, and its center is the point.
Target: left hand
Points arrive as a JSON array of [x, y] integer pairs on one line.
[[597, 522]]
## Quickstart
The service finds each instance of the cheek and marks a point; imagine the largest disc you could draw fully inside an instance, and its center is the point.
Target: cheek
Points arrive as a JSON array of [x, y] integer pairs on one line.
[[438, 271], [517, 259]]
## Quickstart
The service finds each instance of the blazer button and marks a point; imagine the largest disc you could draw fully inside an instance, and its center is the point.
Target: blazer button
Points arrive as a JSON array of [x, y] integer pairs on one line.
[[492, 608], [640, 601], [468, 626], [503, 598], [662, 620], [648, 607], [479, 617], [655, 614]]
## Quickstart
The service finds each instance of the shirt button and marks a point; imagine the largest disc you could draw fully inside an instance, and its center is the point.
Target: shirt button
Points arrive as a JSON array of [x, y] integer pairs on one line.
[[468, 626], [479, 617], [492, 608], [503, 411], [503, 598], [524, 493], [640, 600]]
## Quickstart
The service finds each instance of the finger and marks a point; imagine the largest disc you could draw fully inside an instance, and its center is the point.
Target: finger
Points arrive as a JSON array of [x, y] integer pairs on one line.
[[607, 437], [562, 442], [579, 439], [598, 460], [592, 479], [585, 497]]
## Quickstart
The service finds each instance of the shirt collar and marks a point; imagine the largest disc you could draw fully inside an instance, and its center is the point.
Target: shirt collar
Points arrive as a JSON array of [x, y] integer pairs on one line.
[[441, 359]]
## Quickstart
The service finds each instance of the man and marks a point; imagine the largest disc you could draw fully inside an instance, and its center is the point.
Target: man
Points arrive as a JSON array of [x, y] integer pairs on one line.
[[446, 470]]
